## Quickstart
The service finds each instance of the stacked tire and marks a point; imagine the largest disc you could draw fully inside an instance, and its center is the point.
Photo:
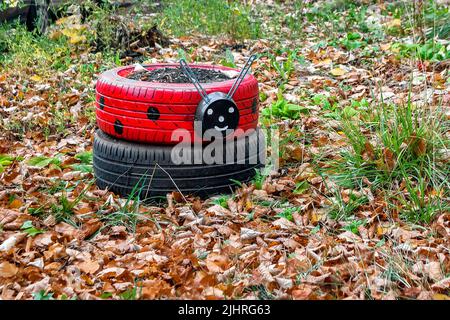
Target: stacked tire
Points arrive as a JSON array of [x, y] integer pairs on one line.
[[137, 154]]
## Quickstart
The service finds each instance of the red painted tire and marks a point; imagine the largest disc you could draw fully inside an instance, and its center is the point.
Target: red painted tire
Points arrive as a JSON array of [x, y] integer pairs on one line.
[[150, 111]]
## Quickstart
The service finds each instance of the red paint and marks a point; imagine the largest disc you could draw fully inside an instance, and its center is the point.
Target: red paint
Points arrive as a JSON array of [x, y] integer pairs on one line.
[[150, 111]]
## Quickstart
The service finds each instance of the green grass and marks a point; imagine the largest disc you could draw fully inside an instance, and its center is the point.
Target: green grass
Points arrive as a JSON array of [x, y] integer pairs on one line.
[[353, 225], [260, 177], [128, 214], [22, 49], [434, 17], [341, 209], [210, 17], [36, 59], [131, 294], [285, 67], [403, 157], [54, 51], [63, 209]]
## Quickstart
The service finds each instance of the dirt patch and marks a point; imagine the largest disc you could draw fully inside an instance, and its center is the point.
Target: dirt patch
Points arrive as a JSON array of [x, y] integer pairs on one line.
[[176, 75]]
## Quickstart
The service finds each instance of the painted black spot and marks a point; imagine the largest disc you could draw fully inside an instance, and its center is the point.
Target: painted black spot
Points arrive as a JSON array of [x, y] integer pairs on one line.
[[254, 105], [152, 113], [118, 127], [101, 102]]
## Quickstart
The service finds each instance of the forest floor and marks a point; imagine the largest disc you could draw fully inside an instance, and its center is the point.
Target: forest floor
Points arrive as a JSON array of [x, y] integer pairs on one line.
[[359, 209]]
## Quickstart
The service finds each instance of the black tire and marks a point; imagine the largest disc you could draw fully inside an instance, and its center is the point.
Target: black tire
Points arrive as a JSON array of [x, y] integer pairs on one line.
[[130, 168]]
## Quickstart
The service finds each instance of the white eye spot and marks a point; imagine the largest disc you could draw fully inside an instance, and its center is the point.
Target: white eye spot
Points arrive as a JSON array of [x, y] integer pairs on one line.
[[230, 109], [221, 119], [209, 112]]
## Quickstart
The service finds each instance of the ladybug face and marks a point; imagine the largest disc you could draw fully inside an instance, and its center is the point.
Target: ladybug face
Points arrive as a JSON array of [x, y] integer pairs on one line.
[[221, 115]]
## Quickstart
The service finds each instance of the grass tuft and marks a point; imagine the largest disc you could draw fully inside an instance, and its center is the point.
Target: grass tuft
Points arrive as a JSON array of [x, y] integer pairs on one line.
[[403, 152]]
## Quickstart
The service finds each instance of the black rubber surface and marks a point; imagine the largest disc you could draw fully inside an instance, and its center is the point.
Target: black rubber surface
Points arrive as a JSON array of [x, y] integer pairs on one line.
[[149, 170]]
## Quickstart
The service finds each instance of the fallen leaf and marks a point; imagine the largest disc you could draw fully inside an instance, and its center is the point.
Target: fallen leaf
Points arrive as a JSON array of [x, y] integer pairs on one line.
[[440, 296], [394, 23], [151, 256], [301, 294], [284, 282], [389, 159], [338, 72], [66, 230], [444, 284], [36, 78], [316, 279], [8, 270], [216, 262], [89, 266], [89, 228], [38, 263], [113, 272], [247, 234], [9, 243], [434, 270], [15, 204]]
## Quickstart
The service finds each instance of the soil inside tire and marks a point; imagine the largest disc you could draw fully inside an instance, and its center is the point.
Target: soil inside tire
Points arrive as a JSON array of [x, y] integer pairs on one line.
[[176, 75]]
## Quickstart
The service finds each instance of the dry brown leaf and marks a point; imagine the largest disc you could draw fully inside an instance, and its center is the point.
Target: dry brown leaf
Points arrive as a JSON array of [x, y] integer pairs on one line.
[[8, 270], [389, 159], [15, 204], [442, 285], [217, 263], [302, 294], [284, 283], [7, 216], [434, 270], [43, 239], [113, 272], [155, 288], [89, 228], [66, 230], [248, 234], [151, 256], [420, 147], [368, 153], [13, 240], [316, 279], [89, 266]]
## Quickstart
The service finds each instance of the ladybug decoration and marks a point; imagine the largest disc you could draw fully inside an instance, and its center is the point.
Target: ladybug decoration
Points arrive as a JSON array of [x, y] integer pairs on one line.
[[150, 112], [217, 110]]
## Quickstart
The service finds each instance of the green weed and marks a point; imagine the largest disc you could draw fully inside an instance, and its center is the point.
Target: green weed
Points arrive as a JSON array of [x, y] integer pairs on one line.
[[42, 295], [430, 50], [5, 160], [282, 109], [29, 229], [287, 213], [222, 201]]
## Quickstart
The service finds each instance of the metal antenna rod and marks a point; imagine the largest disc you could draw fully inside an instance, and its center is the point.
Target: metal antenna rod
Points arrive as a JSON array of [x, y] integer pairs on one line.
[[191, 76], [241, 76]]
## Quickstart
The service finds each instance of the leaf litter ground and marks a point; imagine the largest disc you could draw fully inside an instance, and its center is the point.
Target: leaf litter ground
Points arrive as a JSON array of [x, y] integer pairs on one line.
[[61, 237]]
